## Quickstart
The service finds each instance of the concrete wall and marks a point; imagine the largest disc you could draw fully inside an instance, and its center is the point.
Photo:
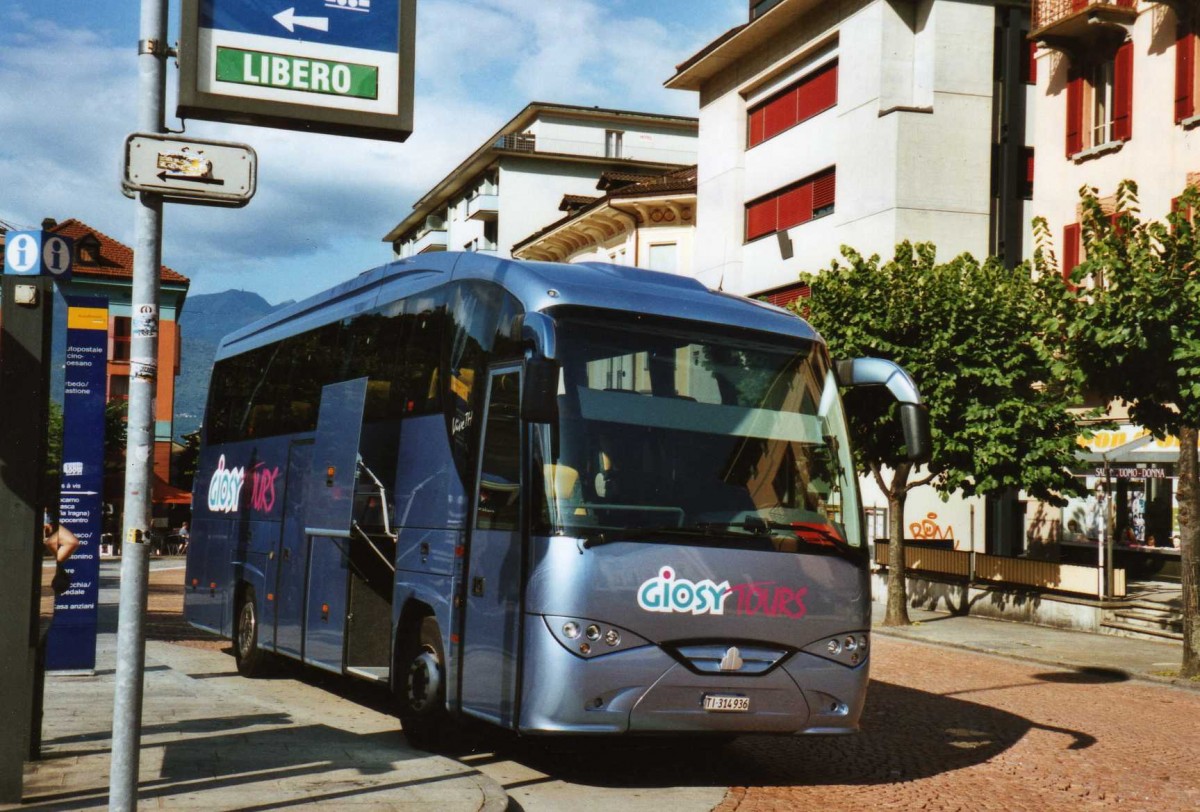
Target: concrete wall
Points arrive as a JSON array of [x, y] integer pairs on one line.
[[642, 142]]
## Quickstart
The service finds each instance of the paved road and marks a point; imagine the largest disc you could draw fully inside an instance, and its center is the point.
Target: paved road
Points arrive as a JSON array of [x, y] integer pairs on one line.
[[944, 729]]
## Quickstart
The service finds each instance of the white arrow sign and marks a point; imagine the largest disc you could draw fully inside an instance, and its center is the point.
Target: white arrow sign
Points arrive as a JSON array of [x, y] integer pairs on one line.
[[288, 19]]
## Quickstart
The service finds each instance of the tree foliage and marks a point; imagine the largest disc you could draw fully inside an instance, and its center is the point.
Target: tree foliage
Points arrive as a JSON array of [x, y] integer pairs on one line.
[[1130, 319], [969, 334]]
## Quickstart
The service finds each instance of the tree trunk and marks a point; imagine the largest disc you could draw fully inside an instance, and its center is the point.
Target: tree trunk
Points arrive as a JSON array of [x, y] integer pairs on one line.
[[897, 597], [1189, 548]]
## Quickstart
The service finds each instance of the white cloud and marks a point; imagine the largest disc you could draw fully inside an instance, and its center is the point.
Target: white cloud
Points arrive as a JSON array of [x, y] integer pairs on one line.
[[70, 100]]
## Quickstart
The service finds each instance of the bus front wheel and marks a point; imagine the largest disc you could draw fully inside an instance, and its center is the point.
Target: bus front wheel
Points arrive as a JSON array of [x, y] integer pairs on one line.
[[251, 660], [420, 686]]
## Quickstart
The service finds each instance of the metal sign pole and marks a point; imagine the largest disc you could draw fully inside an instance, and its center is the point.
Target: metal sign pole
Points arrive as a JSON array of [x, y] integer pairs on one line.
[[143, 377]]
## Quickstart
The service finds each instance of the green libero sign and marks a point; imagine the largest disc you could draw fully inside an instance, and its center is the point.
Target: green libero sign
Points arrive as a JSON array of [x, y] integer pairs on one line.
[[297, 73]]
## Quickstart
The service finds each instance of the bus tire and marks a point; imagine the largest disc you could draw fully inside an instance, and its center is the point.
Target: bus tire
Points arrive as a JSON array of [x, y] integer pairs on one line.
[[251, 660], [420, 686]]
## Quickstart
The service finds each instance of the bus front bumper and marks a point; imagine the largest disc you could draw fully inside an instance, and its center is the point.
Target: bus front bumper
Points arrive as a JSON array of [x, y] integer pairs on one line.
[[646, 690]]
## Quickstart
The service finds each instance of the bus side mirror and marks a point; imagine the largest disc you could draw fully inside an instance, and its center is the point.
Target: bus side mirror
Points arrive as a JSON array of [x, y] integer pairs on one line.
[[914, 422], [539, 398]]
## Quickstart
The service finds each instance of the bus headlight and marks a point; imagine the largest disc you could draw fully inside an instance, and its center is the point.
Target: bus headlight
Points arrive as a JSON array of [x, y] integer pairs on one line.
[[847, 649], [582, 637]]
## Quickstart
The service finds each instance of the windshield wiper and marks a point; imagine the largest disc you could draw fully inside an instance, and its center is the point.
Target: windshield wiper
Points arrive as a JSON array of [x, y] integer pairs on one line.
[[703, 529]]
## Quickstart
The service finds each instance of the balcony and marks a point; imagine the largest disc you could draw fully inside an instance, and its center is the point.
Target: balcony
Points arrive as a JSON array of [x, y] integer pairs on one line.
[[430, 239], [525, 142], [1080, 19], [483, 207]]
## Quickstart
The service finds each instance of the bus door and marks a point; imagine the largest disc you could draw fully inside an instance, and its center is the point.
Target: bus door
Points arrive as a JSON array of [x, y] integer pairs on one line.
[[329, 510], [495, 559], [291, 556]]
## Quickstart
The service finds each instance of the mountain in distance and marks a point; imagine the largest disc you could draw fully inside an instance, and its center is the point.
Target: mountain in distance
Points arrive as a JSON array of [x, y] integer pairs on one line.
[[206, 319]]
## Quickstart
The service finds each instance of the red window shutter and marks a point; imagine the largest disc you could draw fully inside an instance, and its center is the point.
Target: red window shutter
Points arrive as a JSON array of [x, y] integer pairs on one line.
[[785, 296], [1070, 250], [796, 206], [824, 187], [758, 120], [761, 218], [1031, 71], [1123, 93], [1027, 190], [1074, 114], [1185, 54], [781, 114], [818, 92]]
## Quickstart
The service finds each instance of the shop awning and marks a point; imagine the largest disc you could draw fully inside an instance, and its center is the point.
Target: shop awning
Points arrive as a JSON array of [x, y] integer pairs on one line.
[[164, 493]]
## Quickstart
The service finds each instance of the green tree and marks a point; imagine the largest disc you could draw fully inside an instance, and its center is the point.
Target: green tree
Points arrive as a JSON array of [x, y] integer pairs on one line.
[[968, 334], [54, 436], [188, 460], [115, 430], [1131, 322]]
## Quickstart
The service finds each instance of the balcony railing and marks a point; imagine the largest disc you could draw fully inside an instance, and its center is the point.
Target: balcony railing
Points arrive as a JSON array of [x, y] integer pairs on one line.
[[526, 142], [483, 207], [1057, 17], [433, 239]]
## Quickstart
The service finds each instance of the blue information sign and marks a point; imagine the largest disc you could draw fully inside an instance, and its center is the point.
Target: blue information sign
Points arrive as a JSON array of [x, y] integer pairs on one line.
[[371, 24], [71, 645], [38, 253]]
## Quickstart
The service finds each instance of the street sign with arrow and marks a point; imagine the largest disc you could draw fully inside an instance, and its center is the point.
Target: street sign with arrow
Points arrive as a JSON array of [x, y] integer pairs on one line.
[[188, 170], [332, 66]]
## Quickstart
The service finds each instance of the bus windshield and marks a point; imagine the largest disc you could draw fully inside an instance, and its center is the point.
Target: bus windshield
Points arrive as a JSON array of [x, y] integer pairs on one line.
[[676, 430]]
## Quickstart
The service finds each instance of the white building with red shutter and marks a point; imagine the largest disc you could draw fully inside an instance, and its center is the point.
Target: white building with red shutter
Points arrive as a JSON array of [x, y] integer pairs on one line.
[[1117, 98], [860, 123]]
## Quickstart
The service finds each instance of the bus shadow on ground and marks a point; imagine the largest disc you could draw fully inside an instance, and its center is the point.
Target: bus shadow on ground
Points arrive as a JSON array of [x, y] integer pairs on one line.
[[906, 734]]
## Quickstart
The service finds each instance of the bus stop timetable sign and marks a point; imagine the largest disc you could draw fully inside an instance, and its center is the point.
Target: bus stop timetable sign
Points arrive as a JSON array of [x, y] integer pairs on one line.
[[333, 66]]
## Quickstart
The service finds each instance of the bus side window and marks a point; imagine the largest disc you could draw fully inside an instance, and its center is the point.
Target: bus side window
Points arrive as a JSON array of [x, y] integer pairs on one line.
[[500, 470]]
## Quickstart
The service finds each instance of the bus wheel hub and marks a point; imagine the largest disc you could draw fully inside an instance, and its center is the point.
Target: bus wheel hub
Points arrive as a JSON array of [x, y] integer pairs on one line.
[[424, 680]]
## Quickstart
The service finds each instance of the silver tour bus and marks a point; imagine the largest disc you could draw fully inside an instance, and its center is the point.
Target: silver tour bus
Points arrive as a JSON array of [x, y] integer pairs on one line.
[[564, 499]]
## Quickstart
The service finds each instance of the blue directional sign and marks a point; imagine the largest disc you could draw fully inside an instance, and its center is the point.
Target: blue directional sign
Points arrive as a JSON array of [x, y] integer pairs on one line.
[[369, 24], [340, 66], [38, 253]]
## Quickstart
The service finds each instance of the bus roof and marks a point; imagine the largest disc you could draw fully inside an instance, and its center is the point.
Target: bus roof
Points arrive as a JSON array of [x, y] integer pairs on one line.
[[539, 286]]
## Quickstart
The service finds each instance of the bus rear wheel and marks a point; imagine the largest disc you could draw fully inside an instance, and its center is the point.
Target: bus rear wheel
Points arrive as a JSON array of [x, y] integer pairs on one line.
[[251, 660], [420, 686]]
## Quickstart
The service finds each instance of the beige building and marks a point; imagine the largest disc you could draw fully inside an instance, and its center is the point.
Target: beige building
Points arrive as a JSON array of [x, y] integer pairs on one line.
[[513, 184], [639, 220]]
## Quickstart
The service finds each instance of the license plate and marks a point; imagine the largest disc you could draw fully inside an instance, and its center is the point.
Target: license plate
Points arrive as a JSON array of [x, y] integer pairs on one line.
[[729, 704]]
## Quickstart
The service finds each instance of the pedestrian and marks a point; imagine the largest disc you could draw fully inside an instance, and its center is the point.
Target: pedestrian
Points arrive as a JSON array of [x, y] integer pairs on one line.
[[184, 534], [61, 543]]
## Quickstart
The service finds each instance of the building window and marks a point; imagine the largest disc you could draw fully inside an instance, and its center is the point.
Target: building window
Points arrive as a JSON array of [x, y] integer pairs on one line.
[[89, 250], [761, 7], [815, 93], [1027, 186], [121, 337], [613, 142], [664, 257], [1186, 66], [784, 296], [1029, 66], [1100, 101], [118, 387], [803, 201]]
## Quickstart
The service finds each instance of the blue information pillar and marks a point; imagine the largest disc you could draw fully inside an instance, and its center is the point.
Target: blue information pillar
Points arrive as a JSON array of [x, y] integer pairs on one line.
[[72, 642]]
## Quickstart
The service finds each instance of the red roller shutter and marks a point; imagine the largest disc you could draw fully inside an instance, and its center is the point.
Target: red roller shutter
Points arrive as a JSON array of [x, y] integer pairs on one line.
[[1123, 93], [823, 189], [1031, 69], [818, 93], [761, 218], [758, 120], [1074, 113], [1185, 54], [796, 206], [781, 114], [1070, 250]]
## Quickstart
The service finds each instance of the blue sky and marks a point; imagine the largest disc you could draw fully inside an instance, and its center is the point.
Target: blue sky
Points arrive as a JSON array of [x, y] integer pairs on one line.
[[68, 98]]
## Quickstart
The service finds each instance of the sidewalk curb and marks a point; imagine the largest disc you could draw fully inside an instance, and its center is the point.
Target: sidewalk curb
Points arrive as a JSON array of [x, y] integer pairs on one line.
[[902, 633]]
